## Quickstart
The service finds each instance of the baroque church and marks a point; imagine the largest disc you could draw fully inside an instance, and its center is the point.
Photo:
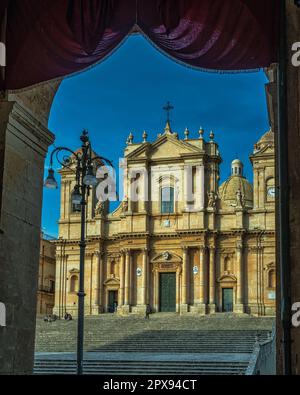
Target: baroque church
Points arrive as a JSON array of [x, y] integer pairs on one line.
[[179, 241]]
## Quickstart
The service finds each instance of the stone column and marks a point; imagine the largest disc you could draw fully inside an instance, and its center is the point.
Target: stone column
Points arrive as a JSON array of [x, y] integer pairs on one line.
[[144, 190], [202, 279], [212, 280], [262, 188], [97, 283], [145, 275], [256, 188], [142, 288], [101, 263], [68, 205], [178, 291], [239, 306], [126, 307], [156, 290], [129, 191], [58, 265], [201, 186], [23, 146], [121, 274], [184, 286], [187, 186]]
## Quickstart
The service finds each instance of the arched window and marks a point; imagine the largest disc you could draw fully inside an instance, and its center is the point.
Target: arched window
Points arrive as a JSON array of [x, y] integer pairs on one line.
[[272, 279], [74, 283], [167, 200]]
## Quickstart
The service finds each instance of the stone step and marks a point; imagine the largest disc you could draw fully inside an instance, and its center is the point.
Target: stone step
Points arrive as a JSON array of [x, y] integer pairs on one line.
[[140, 367]]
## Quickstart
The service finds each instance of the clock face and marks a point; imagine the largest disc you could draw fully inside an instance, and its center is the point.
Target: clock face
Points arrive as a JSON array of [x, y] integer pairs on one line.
[[271, 192]]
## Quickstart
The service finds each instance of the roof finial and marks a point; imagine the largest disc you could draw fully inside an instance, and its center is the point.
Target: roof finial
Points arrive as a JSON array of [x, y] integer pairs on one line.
[[129, 138], [186, 133], [211, 136], [201, 132], [168, 128], [145, 135]]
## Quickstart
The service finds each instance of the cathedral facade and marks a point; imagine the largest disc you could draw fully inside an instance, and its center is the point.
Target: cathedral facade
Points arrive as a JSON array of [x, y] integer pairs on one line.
[[179, 241]]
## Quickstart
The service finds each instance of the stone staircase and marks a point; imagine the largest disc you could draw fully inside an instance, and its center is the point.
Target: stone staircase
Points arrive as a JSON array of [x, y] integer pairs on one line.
[[43, 365], [165, 344]]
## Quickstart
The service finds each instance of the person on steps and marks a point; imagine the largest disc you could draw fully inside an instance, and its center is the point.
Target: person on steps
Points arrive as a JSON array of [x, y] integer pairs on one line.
[[148, 311]]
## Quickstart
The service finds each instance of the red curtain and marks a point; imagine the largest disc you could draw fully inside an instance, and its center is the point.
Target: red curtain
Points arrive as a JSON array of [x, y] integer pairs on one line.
[[46, 39]]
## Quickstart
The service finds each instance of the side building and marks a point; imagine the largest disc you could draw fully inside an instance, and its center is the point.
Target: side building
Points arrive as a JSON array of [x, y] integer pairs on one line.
[[46, 282], [178, 241]]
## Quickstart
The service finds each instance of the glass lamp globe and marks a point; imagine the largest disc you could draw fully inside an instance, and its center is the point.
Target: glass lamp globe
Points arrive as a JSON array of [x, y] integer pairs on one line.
[[50, 181], [76, 196], [90, 179]]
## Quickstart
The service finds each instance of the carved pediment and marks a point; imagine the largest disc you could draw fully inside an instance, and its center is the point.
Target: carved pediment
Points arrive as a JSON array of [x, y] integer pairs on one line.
[[171, 148], [226, 277], [166, 261], [268, 149], [112, 281], [166, 256], [167, 146]]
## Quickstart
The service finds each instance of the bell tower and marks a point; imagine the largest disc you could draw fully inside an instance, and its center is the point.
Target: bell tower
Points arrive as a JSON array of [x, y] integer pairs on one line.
[[263, 161]]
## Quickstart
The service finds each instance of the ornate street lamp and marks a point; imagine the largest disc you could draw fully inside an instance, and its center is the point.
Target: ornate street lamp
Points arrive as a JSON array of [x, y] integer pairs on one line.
[[85, 180]]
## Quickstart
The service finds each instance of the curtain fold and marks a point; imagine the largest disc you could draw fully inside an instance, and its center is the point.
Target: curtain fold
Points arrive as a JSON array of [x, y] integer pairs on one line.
[[88, 21], [218, 35], [49, 39]]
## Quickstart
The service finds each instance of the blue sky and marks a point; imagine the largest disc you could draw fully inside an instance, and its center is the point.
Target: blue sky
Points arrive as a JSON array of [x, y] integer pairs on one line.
[[127, 92]]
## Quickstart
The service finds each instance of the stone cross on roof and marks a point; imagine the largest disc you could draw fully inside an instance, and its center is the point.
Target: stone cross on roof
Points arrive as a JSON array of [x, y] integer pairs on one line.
[[168, 108]]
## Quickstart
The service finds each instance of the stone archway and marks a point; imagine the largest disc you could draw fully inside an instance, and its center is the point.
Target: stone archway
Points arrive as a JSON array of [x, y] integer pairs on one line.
[[24, 139]]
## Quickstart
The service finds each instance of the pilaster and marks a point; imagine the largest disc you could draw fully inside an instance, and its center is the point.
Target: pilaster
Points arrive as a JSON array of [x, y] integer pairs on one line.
[[184, 285], [212, 280], [239, 305]]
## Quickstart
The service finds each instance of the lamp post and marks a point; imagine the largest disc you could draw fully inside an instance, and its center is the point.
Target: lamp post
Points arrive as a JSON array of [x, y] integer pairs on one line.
[[85, 180]]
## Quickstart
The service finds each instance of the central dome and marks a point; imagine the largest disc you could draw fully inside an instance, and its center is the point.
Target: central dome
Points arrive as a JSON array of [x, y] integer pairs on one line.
[[230, 187], [228, 190]]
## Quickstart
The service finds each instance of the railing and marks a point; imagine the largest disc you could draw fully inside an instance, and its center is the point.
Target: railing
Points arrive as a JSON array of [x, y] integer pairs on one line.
[[263, 358]]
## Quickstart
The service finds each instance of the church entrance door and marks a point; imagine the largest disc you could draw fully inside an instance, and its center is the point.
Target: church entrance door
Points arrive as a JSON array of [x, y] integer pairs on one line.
[[167, 292], [227, 299], [112, 301]]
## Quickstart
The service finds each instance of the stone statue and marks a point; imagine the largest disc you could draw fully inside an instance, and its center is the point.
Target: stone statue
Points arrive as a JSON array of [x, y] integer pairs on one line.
[[125, 205], [239, 199], [212, 199], [100, 208]]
